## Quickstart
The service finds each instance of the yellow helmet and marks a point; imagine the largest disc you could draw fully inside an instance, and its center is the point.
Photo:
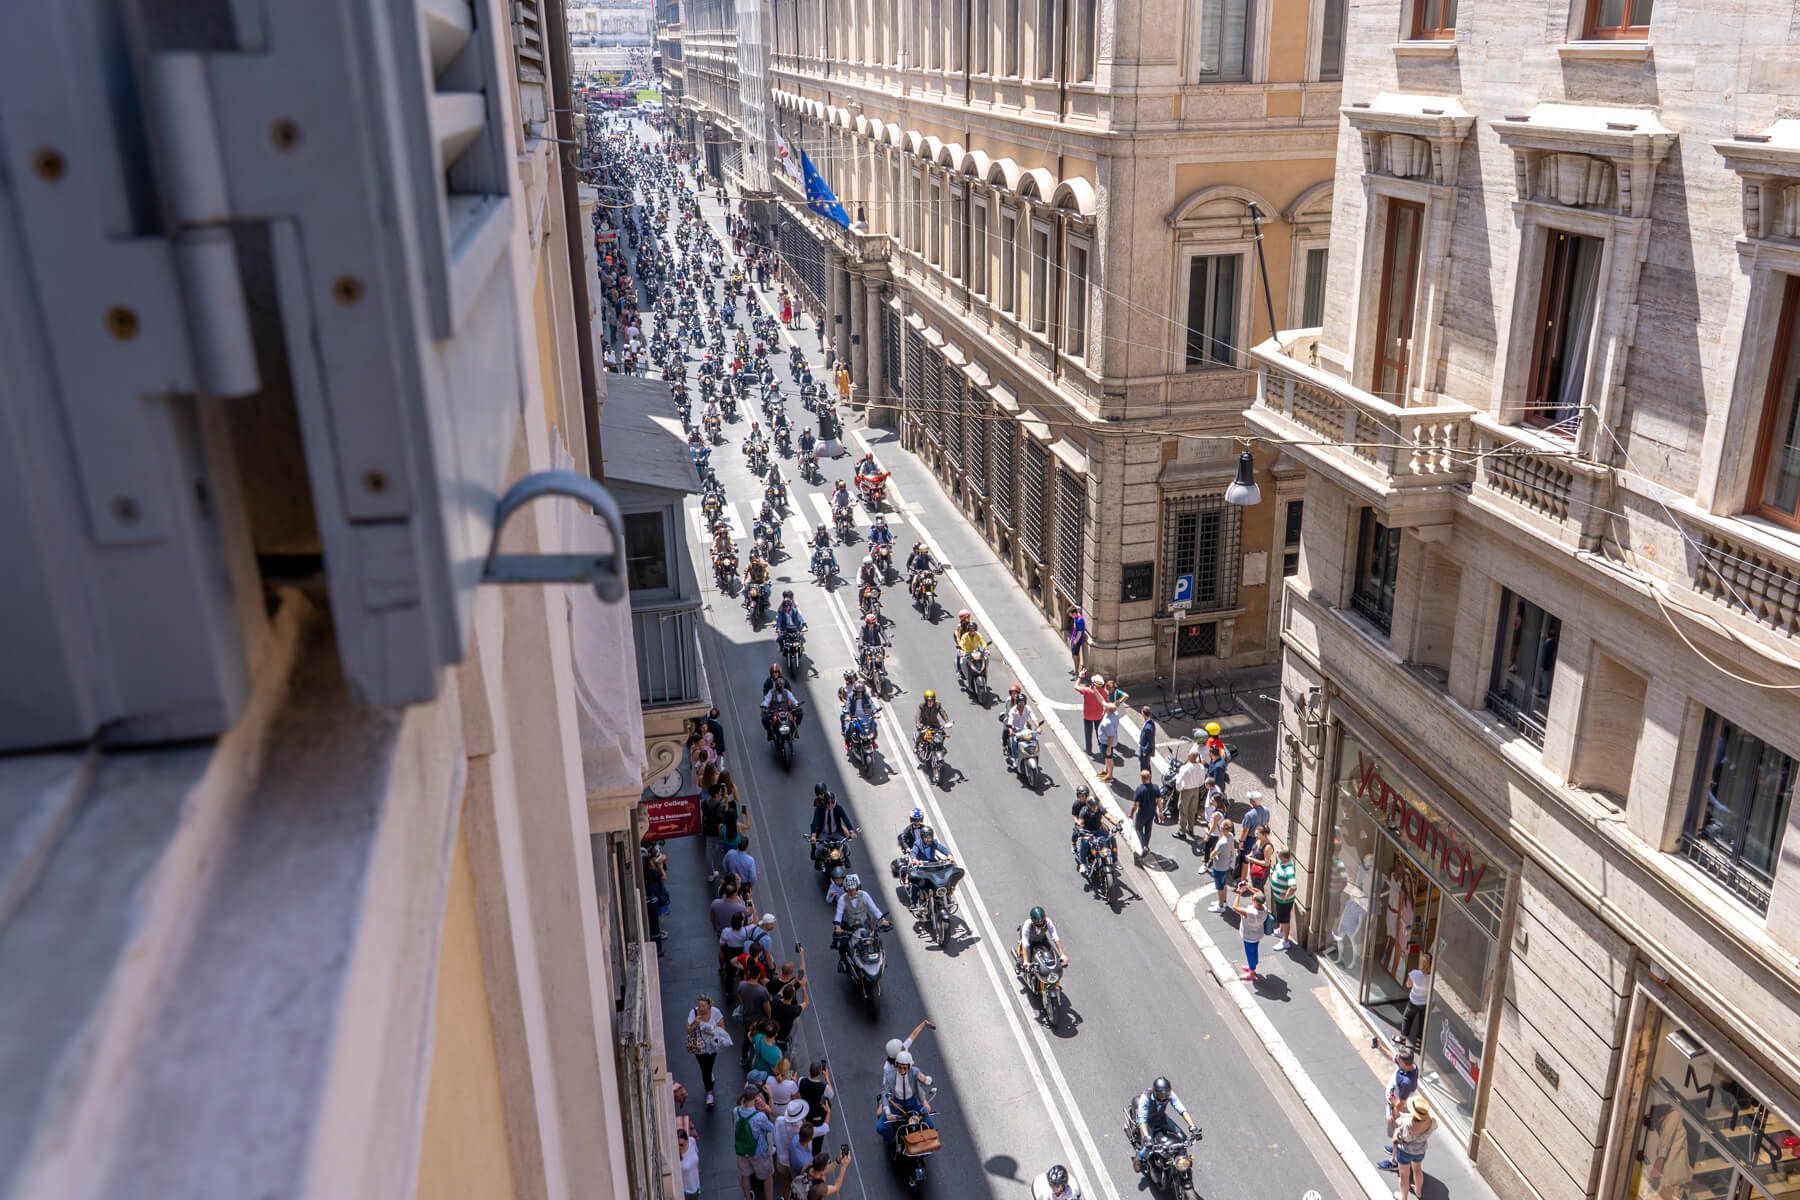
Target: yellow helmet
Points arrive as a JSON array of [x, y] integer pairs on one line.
[[930, 694], [1212, 729]]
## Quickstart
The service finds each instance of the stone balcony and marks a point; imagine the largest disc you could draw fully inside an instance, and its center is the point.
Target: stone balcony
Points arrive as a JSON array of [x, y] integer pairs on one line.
[[1532, 479], [1746, 568], [1409, 462]]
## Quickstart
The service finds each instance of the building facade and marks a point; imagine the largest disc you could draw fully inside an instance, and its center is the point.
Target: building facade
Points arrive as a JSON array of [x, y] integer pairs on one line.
[[1056, 276], [1541, 697], [712, 90], [338, 947], [671, 66]]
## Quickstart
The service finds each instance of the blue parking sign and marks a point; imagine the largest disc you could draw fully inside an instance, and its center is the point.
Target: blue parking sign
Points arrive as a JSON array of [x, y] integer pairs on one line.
[[1184, 589]]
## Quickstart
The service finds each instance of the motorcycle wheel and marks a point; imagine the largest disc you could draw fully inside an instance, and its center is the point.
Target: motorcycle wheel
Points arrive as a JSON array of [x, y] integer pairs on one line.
[[784, 749], [1052, 1007], [873, 994], [940, 921]]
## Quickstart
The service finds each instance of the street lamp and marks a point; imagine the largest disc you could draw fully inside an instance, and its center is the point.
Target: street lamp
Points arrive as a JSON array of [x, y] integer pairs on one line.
[[1243, 490]]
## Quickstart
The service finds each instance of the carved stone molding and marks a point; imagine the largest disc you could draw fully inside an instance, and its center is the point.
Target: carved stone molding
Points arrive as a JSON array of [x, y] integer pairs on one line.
[[1411, 137], [1768, 165], [1588, 157]]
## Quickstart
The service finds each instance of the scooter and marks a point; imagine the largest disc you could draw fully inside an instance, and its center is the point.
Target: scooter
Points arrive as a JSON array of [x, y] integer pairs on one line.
[[975, 675], [1022, 759], [914, 1142]]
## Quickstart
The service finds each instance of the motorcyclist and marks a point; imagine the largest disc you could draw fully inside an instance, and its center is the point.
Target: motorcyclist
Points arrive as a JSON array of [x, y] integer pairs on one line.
[[909, 1094], [854, 908], [821, 538], [836, 889], [1055, 1184], [1016, 720], [767, 522], [1152, 1113], [918, 566], [967, 637], [757, 572], [808, 442], [879, 533], [777, 698], [858, 705], [1039, 931], [829, 818], [722, 547], [1087, 819], [840, 496], [866, 467], [773, 679], [788, 618], [871, 638], [909, 836], [930, 715], [868, 575]]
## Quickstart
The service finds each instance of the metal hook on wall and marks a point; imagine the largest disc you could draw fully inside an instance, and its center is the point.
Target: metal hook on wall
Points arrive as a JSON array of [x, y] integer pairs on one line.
[[602, 571]]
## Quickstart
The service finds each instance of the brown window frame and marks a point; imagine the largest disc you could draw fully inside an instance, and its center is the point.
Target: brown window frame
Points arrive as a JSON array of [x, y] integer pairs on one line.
[[1402, 365], [1592, 30], [1423, 32], [1553, 297], [1765, 436]]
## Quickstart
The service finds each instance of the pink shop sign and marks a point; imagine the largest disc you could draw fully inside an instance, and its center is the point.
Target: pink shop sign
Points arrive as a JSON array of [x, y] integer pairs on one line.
[[1434, 842]]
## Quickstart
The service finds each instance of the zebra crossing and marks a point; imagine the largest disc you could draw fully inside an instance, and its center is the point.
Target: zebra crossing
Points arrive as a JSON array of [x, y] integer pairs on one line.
[[806, 511]]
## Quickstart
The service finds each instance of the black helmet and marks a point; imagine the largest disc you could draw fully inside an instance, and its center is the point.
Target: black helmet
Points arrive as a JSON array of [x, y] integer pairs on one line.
[[1037, 914], [819, 789], [1162, 1089], [925, 833], [1057, 1175], [1082, 792]]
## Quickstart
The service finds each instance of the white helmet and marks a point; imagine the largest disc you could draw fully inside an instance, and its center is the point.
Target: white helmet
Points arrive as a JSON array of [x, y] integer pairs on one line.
[[852, 882], [894, 1047], [903, 1059]]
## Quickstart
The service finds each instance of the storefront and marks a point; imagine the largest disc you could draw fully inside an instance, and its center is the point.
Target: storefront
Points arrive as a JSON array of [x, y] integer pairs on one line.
[[1708, 1128], [1410, 882]]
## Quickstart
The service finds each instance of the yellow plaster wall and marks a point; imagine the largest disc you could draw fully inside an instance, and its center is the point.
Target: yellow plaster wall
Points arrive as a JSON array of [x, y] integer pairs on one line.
[[464, 1152]]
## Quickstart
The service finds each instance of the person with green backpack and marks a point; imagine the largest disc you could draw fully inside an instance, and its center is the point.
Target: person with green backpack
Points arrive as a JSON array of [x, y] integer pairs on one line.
[[753, 1141]]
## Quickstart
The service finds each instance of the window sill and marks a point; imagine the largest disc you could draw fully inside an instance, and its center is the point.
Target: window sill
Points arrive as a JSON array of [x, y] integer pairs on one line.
[[1426, 48], [1605, 50]]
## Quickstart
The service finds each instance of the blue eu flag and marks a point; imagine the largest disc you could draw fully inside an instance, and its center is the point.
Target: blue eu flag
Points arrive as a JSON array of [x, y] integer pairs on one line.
[[819, 196]]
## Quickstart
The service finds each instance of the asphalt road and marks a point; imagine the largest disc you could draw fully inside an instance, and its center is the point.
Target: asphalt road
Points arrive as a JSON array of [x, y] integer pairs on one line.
[[1014, 1095]]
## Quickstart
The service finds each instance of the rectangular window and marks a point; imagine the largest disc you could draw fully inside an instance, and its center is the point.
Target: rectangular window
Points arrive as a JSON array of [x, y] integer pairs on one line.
[[1225, 45], [1009, 264], [1085, 50], [1290, 539], [1618, 19], [1006, 456], [1331, 37], [1035, 489], [1524, 666], [1377, 566], [1201, 535], [916, 240], [959, 229], [1009, 36], [1044, 39], [978, 250], [1040, 279], [1312, 297], [1743, 788], [1434, 20], [1565, 327], [1775, 484], [1212, 311], [1075, 303], [1071, 533], [979, 37], [936, 217], [646, 553], [1399, 282]]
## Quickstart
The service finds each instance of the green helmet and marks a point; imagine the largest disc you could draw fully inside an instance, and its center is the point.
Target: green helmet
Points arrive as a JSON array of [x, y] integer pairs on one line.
[[1037, 914]]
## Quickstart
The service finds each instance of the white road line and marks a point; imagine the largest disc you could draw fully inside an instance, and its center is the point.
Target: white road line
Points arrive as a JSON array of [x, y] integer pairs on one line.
[[1336, 1132]]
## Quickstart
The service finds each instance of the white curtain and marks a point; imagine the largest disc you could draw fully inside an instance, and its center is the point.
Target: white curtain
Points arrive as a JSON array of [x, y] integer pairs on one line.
[[1578, 328]]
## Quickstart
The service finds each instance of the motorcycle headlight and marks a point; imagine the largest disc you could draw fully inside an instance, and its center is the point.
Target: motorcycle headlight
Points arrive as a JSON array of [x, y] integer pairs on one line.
[[1183, 1162], [1052, 976]]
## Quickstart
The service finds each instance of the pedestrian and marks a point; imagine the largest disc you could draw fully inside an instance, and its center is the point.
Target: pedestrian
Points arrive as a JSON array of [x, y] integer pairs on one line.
[[1078, 637], [1189, 780], [1146, 738], [792, 1154], [688, 1147], [1108, 733], [815, 1089], [817, 1187], [1220, 863], [1411, 1133], [1418, 991], [706, 1036], [782, 1085], [753, 1141], [1258, 858], [1256, 815], [1284, 885], [765, 1053], [710, 722], [1143, 811], [1251, 917], [842, 379], [1215, 767], [791, 996], [1093, 707], [1116, 694], [725, 907], [1401, 1086], [738, 863], [1213, 818]]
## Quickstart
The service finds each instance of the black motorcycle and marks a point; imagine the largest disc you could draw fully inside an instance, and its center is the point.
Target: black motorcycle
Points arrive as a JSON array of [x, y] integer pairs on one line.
[[873, 663], [859, 743], [783, 726], [930, 747], [1169, 1166], [828, 852], [930, 893], [1100, 870], [862, 958], [924, 593], [793, 645], [756, 603], [1042, 978]]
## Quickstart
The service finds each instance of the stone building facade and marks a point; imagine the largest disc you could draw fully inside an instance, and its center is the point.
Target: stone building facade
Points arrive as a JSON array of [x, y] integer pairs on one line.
[[1054, 277], [711, 89], [1541, 697]]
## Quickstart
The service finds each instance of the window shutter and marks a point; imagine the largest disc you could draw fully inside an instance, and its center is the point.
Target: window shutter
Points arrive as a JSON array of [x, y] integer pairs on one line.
[[952, 395], [1006, 462], [891, 350], [913, 395], [931, 395], [1037, 484], [978, 441], [1071, 532], [528, 56]]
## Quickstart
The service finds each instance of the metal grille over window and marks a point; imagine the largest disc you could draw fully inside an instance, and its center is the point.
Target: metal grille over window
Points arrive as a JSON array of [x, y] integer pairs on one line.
[[1197, 640], [1037, 485], [952, 396], [890, 348], [1200, 538], [915, 376], [1071, 532], [1006, 465], [931, 395], [801, 250], [978, 442]]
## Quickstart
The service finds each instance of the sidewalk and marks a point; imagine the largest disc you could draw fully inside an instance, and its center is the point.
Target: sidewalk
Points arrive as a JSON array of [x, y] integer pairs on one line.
[[1315, 1036]]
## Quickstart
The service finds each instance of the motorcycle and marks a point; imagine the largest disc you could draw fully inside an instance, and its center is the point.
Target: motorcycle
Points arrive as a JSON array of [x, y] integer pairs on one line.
[[930, 748], [868, 600], [728, 406], [782, 727], [757, 457], [709, 504], [1042, 977], [873, 664], [768, 540], [809, 466], [1169, 1165], [711, 424], [930, 892], [1100, 873], [782, 442], [1022, 758], [883, 555], [776, 495], [832, 850], [860, 956], [824, 566], [793, 645], [841, 519], [914, 1142], [874, 490], [725, 570], [924, 592], [975, 674], [859, 743], [756, 603]]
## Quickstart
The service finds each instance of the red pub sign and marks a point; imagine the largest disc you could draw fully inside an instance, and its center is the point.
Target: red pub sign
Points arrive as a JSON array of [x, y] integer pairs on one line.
[[1426, 836], [676, 816]]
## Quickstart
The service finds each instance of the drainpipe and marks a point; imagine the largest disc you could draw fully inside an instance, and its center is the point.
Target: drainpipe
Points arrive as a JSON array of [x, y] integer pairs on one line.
[[562, 101]]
